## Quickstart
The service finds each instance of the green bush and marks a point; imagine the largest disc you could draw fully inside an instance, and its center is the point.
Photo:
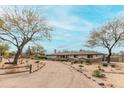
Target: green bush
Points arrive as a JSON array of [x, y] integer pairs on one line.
[[98, 73], [105, 64]]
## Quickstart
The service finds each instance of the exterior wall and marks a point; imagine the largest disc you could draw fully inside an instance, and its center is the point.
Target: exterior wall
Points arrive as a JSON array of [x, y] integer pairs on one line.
[[98, 56], [85, 56], [51, 57], [95, 58], [114, 58], [117, 59], [82, 56], [100, 59]]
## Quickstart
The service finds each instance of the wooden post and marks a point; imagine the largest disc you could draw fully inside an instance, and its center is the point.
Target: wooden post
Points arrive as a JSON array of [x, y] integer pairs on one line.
[[122, 58], [38, 65], [30, 67]]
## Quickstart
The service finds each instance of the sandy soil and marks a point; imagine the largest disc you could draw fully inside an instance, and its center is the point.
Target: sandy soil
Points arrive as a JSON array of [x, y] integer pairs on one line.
[[26, 62], [53, 75], [114, 76]]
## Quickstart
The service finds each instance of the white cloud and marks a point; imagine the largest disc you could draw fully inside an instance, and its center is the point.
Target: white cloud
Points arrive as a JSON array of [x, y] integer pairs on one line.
[[61, 17], [73, 24], [120, 13]]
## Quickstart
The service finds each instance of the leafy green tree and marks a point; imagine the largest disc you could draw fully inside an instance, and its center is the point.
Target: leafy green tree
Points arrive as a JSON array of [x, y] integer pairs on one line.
[[4, 49]]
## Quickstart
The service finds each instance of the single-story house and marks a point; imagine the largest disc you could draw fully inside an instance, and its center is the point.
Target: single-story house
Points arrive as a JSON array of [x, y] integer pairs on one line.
[[92, 55]]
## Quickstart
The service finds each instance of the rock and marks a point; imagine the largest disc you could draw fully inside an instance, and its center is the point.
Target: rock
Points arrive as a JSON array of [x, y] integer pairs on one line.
[[93, 79], [89, 77], [101, 84], [110, 85]]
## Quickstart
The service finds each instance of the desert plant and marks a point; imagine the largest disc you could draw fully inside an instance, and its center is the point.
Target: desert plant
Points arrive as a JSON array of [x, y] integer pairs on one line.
[[99, 67], [88, 62], [98, 73], [113, 65], [81, 62], [81, 66], [105, 64]]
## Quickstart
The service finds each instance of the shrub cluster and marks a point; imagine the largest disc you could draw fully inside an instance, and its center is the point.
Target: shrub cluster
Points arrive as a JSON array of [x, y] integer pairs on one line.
[[98, 73], [88, 62], [81, 66], [113, 65], [105, 64]]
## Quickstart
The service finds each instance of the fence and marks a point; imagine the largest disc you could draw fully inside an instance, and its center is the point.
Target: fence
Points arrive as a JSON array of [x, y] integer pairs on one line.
[[16, 69]]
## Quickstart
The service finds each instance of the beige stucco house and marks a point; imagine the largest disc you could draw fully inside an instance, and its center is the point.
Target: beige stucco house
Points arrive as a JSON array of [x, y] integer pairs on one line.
[[92, 55]]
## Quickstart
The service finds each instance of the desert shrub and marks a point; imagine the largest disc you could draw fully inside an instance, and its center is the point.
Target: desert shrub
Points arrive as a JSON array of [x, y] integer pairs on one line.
[[81, 62], [81, 66], [101, 84], [98, 73], [37, 61], [32, 58], [113, 65], [105, 64], [99, 68], [88, 62]]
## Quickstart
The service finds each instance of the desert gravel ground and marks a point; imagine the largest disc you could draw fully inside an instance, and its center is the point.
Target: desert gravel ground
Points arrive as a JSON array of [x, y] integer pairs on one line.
[[53, 75]]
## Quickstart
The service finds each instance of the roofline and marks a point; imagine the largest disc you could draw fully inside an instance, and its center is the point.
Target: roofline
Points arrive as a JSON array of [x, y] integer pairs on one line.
[[62, 54]]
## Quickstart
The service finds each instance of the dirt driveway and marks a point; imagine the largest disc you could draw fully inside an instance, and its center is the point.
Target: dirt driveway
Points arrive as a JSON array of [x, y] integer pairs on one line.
[[53, 75]]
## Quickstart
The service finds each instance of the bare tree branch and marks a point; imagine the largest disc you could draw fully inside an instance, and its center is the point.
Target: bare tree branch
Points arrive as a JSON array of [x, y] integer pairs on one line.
[[20, 26]]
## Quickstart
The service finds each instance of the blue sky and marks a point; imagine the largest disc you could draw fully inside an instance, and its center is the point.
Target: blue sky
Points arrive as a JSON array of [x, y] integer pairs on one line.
[[72, 24]]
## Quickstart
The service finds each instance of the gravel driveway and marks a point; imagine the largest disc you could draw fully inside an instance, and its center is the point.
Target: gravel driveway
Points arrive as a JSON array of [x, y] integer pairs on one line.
[[53, 75]]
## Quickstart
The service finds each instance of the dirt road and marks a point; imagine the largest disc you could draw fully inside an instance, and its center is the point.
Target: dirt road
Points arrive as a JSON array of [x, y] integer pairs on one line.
[[53, 75]]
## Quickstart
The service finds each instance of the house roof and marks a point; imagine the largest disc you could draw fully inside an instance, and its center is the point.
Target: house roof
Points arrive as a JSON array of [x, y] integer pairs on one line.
[[76, 53]]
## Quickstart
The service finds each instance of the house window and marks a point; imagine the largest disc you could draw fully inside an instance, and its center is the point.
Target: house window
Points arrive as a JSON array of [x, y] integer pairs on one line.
[[89, 56], [63, 56]]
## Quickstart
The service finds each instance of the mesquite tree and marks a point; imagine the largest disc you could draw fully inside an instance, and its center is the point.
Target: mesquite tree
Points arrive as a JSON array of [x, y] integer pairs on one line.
[[20, 26], [37, 49], [108, 36]]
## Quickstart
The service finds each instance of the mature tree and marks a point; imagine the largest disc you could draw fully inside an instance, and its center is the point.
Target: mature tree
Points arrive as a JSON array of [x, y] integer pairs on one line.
[[35, 51], [108, 36], [20, 26], [38, 49]]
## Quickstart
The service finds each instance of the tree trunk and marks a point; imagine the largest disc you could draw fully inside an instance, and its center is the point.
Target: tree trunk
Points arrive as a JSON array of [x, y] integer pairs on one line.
[[109, 57], [15, 61]]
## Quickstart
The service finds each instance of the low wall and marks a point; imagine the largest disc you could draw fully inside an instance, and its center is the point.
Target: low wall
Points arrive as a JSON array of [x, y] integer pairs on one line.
[[117, 59], [97, 60]]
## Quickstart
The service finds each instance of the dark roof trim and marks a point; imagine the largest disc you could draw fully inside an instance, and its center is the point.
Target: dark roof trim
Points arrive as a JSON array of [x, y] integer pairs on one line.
[[62, 54]]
